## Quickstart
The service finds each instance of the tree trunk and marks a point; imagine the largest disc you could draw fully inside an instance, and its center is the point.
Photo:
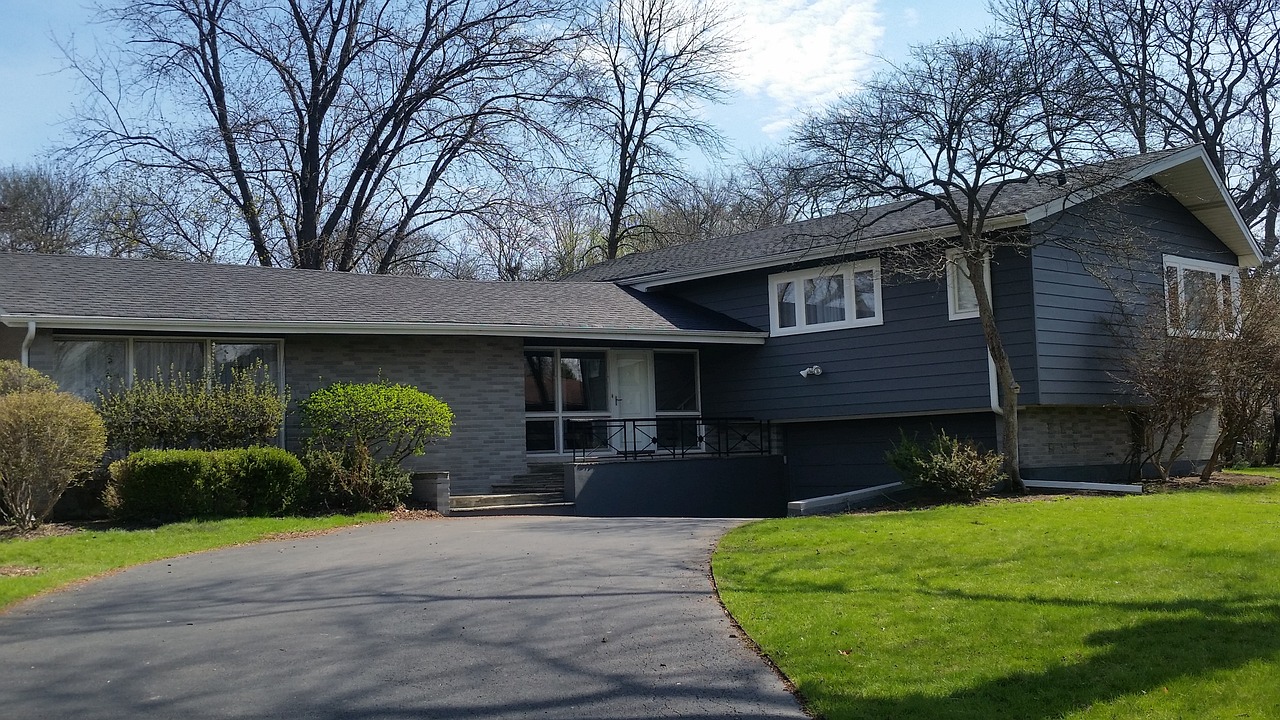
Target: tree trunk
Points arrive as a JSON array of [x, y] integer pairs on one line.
[[1005, 382]]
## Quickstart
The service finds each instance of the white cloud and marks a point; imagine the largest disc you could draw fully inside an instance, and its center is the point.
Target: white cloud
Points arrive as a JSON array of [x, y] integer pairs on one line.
[[800, 54]]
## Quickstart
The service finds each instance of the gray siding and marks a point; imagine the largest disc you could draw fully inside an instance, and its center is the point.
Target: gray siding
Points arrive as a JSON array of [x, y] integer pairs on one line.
[[1074, 297], [824, 458], [482, 380], [917, 362]]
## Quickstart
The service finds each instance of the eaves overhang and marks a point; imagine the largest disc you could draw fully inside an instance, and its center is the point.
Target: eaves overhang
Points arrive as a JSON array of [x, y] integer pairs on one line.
[[298, 327], [1187, 175]]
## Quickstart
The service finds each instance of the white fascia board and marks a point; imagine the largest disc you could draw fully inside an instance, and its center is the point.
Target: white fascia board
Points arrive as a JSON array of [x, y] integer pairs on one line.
[[252, 327], [647, 282]]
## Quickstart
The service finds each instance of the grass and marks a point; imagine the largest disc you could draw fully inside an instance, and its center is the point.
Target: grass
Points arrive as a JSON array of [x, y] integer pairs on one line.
[[1272, 471], [32, 566], [1159, 606]]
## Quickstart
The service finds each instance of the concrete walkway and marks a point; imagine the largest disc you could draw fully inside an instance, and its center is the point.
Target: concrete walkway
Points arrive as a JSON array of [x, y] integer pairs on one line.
[[464, 618]]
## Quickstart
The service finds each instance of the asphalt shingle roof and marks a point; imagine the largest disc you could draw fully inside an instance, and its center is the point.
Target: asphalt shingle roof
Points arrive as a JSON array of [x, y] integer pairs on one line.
[[836, 231], [76, 286]]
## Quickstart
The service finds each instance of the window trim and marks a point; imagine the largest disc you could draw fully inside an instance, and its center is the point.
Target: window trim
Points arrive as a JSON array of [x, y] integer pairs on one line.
[[851, 319], [954, 277], [1181, 264]]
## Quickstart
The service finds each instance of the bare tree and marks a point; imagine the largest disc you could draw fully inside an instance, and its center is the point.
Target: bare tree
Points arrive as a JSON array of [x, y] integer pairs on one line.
[[1164, 377], [42, 209], [1243, 359], [1178, 72], [647, 65], [340, 133], [955, 128]]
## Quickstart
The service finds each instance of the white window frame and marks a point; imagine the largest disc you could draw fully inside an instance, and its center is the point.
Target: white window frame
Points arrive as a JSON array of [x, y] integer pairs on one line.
[[1182, 264], [850, 320], [955, 275]]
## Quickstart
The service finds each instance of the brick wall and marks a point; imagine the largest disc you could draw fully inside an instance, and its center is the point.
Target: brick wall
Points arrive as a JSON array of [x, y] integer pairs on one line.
[[1072, 436], [482, 380], [1079, 436]]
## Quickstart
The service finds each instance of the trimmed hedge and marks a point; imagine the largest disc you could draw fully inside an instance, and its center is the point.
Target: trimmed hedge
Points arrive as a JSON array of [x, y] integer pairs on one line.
[[179, 484], [195, 413], [354, 482]]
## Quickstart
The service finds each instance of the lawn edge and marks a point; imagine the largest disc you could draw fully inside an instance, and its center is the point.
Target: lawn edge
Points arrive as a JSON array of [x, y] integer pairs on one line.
[[745, 638], [272, 537]]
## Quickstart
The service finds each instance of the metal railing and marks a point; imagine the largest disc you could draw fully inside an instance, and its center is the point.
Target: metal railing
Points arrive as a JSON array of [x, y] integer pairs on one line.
[[673, 437]]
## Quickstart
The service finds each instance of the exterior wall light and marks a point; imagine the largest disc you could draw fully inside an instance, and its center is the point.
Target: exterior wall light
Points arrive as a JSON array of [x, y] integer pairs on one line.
[[811, 371]]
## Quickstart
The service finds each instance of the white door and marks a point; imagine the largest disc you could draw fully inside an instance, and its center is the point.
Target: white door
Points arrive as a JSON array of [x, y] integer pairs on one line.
[[631, 393]]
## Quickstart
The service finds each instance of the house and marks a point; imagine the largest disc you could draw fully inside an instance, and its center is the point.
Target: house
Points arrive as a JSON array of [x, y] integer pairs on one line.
[[792, 339]]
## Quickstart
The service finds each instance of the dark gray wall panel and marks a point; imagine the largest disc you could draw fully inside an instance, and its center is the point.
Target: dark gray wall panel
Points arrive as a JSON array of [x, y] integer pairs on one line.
[[699, 487], [11, 342], [825, 458], [1075, 296], [918, 361]]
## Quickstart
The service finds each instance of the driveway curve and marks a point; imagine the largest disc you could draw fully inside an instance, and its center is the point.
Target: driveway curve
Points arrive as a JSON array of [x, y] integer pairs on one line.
[[503, 617]]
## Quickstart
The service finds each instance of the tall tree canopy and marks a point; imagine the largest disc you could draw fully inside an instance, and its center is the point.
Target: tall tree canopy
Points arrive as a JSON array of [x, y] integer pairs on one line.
[[338, 132]]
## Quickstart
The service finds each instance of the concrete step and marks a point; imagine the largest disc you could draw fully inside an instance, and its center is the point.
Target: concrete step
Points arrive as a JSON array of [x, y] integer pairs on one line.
[[547, 468], [463, 502], [552, 508]]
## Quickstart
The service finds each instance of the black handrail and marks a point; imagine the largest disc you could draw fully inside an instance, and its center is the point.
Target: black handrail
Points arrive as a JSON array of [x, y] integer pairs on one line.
[[674, 437]]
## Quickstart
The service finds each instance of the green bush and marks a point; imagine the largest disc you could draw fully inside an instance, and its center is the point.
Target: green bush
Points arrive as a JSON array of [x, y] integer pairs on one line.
[[351, 481], [16, 377], [386, 421], [178, 484], [948, 465], [183, 413], [48, 442]]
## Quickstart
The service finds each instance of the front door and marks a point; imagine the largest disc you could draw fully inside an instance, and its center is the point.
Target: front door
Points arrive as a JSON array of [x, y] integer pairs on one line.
[[631, 393]]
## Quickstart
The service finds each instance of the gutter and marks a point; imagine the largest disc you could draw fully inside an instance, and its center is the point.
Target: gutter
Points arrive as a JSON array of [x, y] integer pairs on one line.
[[26, 343], [267, 327]]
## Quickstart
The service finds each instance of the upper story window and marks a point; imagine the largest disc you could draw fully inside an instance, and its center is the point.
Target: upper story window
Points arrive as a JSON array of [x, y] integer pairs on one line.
[[827, 298], [962, 300], [1201, 298]]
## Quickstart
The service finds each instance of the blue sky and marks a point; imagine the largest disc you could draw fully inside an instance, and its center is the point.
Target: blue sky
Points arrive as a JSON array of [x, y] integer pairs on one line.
[[797, 54]]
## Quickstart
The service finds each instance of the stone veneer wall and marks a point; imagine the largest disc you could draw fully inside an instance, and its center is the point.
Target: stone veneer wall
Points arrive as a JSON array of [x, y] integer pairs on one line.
[[482, 380]]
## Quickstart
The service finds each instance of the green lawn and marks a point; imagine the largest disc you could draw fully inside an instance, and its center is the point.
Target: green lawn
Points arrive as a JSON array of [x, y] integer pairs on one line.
[[57, 561], [1158, 606]]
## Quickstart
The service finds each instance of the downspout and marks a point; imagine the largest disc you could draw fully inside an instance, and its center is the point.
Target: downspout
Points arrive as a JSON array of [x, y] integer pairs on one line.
[[26, 343]]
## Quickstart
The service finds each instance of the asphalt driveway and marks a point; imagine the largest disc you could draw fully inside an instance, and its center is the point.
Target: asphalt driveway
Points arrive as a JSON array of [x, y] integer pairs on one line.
[[462, 618]]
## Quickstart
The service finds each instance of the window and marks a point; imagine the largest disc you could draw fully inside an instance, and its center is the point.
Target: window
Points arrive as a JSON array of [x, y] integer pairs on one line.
[[1201, 298], [826, 298], [567, 394], [85, 365], [962, 300]]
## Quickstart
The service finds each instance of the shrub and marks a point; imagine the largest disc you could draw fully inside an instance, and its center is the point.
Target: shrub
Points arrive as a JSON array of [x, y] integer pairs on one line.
[[16, 377], [350, 481], [177, 484], [269, 481], [948, 465], [386, 421], [48, 442], [182, 412]]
